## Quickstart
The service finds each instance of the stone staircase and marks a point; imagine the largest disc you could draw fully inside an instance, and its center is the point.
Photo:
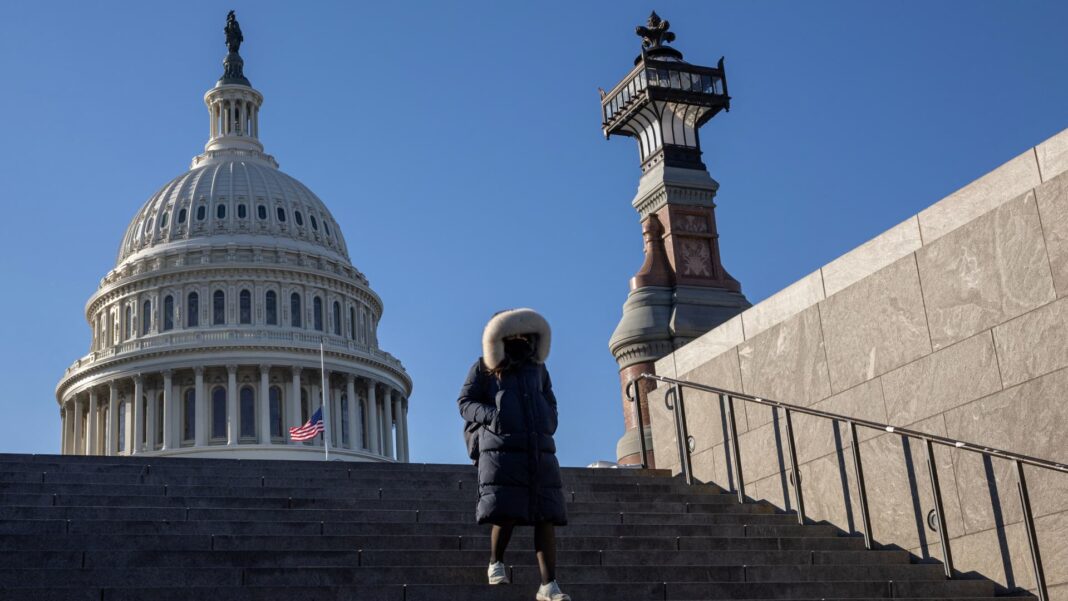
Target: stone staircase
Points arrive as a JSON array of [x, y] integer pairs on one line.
[[142, 528]]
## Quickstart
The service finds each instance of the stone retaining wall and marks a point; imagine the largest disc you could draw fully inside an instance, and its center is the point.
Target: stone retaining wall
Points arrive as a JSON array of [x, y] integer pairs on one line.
[[954, 322]]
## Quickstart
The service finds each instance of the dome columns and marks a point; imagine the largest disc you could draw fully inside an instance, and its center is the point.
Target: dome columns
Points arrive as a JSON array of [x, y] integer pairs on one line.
[[146, 413]]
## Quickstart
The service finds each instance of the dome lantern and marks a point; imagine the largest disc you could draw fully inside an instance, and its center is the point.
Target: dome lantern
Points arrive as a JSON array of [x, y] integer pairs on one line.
[[233, 107]]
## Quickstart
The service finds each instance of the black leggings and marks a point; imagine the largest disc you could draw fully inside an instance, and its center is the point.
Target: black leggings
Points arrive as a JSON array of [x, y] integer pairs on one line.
[[544, 546]]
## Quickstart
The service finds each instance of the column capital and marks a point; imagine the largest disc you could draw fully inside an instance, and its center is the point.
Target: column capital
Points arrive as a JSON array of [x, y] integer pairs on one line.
[[231, 368], [350, 378], [113, 387], [167, 373], [264, 367], [296, 370], [137, 378], [198, 370]]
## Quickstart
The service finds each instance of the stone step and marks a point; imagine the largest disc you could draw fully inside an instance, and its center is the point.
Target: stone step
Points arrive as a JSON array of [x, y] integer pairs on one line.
[[849, 565], [602, 591], [365, 515], [351, 575], [814, 547], [276, 502], [347, 492], [297, 528]]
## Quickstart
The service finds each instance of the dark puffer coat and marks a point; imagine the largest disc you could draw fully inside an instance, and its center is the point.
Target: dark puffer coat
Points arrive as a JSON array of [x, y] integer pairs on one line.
[[518, 475]]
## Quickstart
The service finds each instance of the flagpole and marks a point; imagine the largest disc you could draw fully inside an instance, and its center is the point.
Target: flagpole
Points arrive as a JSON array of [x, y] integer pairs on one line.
[[322, 401]]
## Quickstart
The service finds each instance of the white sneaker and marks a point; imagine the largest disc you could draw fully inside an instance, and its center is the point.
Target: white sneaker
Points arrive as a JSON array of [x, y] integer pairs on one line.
[[552, 592], [497, 573]]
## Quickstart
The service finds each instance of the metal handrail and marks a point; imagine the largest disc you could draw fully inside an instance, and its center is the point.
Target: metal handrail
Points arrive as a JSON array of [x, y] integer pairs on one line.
[[673, 400]]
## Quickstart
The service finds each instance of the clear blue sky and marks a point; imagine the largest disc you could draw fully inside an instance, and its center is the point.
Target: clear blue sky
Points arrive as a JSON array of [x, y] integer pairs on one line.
[[458, 145]]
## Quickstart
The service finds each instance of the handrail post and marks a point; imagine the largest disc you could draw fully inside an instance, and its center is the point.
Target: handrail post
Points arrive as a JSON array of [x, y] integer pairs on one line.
[[799, 498], [681, 434], [736, 454], [636, 398], [862, 490], [1032, 536], [940, 512]]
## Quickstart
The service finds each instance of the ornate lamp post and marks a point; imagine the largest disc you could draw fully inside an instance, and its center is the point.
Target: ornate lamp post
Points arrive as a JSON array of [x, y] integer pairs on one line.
[[682, 289]]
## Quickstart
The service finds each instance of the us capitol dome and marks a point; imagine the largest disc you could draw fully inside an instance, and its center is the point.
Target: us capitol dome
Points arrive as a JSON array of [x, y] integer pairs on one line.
[[206, 335]]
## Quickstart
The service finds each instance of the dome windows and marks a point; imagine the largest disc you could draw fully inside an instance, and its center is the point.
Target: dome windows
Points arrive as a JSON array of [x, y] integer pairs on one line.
[[317, 313], [218, 308], [242, 211], [220, 211], [163, 221], [146, 317], [202, 212], [326, 226], [182, 215], [189, 415], [168, 313], [261, 212], [281, 215], [271, 306], [218, 413], [298, 217], [294, 310], [247, 412], [245, 302], [314, 222], [192, 305], [337, 318]]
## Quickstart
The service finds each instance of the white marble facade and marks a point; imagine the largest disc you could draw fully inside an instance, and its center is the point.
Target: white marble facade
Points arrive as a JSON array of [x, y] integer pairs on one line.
[[206, 335]]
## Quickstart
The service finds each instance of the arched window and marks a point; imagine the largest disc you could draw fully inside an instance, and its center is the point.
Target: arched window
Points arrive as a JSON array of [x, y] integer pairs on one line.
[[248, 411], [326, 226], [261, 212], [220, 211], [168, 313], [127, 317], [304, 414], [315, 223], [189, 415], [337, 318], [276, 411], [298, 217], [182, 215], [281, 215], [146, 317], [317, 313], [218, 412], [271, 305], [192, 310], [218, 308], [294, 310], [242, 211], [352, 323], [201, 213], [163, 221], [245, 299]]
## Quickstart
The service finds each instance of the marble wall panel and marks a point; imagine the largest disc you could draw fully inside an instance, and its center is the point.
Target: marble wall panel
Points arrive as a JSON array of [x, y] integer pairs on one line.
[[874, 326], [783, 305], [1033, 344], [774, 490], [663, 431], [816, 436], [1053, 541], [763, 451], [942, 380], [829, 485], [985, 272], [1052, 156], [893, 244], [1031, 419], [705, 418], [724, 337], [1000, 554], [704, 466], [899, 488], [786, 363], [1052, 198], [1008, 181]]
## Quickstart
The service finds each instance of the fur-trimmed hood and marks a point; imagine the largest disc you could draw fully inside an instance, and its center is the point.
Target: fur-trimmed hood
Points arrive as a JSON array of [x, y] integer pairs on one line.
[[510, 323]]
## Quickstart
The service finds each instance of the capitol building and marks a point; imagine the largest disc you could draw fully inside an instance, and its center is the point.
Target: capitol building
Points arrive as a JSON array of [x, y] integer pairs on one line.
[[206, 335]]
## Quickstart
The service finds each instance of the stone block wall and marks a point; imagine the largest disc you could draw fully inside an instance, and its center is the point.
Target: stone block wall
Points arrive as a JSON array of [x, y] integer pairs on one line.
[[955, 323]]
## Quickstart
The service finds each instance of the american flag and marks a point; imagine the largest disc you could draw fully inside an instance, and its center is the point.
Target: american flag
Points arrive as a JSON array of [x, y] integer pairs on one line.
[[309, 430]]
